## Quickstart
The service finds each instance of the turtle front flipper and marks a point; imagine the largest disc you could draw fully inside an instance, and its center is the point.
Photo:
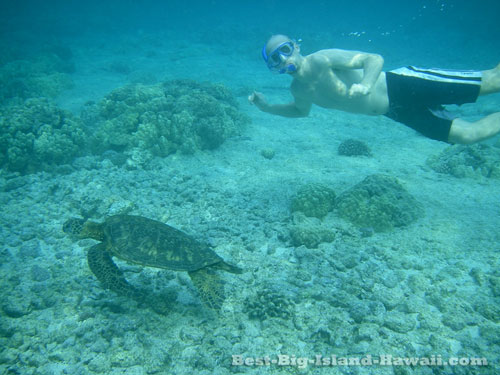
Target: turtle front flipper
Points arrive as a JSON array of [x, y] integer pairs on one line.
[[210, 287], [108, 273], [227, 267]]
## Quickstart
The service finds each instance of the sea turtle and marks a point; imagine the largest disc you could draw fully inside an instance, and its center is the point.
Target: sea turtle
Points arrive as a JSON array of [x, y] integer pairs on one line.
[[148, 242]]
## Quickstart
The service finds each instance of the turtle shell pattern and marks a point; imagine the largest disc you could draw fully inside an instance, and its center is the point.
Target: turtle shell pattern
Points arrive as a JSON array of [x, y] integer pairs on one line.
[[148, 242]]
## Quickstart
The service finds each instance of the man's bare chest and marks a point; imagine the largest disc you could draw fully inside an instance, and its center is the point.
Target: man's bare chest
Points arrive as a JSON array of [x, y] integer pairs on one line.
[[323, 89]]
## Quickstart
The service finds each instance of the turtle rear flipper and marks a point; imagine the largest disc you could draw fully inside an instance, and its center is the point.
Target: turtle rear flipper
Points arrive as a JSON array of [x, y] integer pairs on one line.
[[210, 287], [108, 273]]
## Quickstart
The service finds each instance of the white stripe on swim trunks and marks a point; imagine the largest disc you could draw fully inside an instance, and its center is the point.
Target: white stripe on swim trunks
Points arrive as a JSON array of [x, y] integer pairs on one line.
[[463, 76]]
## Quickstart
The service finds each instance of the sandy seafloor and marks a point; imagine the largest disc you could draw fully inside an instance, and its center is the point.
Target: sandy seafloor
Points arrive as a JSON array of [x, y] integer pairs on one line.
[[426, 289]]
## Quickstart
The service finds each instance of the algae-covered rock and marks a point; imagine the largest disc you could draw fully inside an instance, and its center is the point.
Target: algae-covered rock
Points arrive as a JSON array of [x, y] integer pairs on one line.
[[488, 309], [353, 147], [495, 285], [379, 202], [310, 236], [314, 200], [490, 332], [173, 116], [479, 160], [399, 322], [37, 134]]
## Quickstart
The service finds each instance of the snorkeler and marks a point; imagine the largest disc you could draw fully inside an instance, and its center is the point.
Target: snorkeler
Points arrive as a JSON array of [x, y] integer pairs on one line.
[[353, 81]]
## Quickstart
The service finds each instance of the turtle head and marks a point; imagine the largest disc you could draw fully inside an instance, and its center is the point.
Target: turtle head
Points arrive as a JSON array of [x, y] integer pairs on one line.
[[82, 228], [74, 226]]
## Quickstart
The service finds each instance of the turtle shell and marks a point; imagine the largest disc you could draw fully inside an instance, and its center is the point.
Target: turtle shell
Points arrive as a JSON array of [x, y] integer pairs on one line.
[[147, 242]]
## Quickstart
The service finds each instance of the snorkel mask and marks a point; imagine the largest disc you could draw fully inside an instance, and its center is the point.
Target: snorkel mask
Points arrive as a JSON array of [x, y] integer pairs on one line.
[[276, 59]]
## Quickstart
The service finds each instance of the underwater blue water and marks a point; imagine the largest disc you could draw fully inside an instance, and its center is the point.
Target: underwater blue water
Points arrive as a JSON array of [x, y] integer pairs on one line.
[[415, 29], [432, 288]]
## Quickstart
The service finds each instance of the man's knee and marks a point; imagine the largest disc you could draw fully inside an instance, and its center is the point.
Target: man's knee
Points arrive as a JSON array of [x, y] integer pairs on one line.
[[490, 81], [465, 132]]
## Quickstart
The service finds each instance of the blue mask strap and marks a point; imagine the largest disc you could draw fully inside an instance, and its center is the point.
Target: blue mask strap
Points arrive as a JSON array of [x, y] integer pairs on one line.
[[264, 54]]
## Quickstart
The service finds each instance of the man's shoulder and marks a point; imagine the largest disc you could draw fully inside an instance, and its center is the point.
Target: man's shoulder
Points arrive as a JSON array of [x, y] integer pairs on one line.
[[332, 51], [332, 54]]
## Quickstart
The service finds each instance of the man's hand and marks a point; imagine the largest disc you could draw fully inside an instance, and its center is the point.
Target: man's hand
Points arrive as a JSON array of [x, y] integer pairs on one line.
[[358, 89], [293, 109], [258, 99]]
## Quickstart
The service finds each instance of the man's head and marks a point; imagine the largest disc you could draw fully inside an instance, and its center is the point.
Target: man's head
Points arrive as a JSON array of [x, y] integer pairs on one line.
[[278, 54]]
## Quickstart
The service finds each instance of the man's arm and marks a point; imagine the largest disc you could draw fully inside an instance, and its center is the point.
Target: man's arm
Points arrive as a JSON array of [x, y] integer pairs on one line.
[[296, 108], [370, 63]]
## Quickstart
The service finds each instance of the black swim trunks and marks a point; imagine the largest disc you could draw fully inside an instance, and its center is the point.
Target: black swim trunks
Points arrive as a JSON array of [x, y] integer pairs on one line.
[[417, 96]]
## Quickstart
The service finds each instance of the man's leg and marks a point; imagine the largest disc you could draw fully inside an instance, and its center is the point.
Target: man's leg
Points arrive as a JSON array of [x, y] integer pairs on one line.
[[466, 132], [490, 81]]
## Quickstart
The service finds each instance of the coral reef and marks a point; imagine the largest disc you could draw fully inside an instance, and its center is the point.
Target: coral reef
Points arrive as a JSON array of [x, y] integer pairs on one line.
[[353, 147], [314, 200], [37, 134], [45, 75], [479, 160], [379, 202], [173, 116], [269, 304]]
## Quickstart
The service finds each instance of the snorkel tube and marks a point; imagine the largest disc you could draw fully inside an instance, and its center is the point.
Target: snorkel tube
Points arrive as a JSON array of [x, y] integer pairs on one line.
[[290, 68]]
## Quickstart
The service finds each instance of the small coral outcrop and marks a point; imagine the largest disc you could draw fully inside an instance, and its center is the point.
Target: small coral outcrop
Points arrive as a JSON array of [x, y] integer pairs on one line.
[[314, 200], [43, 75], [36, 135], [379, 202], [473, 161], [269, 304], [353, 147]]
